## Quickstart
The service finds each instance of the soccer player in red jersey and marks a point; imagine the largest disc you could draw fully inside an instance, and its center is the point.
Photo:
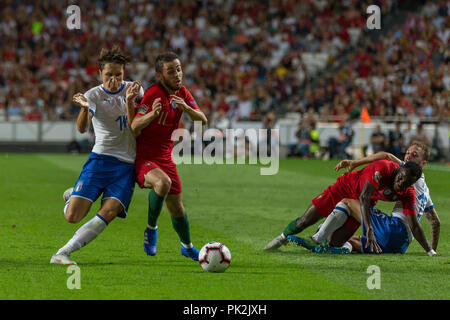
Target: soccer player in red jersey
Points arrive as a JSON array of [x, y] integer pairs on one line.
[[158, 116], [381, 180]]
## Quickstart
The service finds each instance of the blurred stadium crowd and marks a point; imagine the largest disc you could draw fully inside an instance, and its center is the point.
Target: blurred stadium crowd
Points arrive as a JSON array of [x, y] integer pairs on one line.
[[241, 59]]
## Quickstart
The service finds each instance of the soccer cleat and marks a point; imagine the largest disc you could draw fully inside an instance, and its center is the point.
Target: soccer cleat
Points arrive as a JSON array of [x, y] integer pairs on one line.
[[61, 259], [67, 194], [307, 243], [190, 253], [276, 243], [324, 248], [150, 241]]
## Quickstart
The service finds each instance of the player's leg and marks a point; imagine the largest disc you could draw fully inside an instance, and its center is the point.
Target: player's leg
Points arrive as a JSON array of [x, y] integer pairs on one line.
[[321, 207], [116, 180], [180, 223], [91, 229], [310, 217], [160, 184], [77, 209], [355, 242], [338, 241], [334, 221]]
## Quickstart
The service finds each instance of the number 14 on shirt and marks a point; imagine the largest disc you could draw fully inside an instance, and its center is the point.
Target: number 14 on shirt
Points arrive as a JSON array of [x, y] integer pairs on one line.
[[122, 121]]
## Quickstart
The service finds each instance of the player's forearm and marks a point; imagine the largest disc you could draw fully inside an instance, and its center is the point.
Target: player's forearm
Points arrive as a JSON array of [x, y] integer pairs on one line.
[[130, 111], [375, 157], [418, 233], [83, 120], [435, 227], [141, 122], [365, 213], [196, 115], [364, 200]]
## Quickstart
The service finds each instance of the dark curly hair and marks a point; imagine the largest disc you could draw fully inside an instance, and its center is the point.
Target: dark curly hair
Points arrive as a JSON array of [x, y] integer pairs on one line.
[[114, 55], [414, 169]]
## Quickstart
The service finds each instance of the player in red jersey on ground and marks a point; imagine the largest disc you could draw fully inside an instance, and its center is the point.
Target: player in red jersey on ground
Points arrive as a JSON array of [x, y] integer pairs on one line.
[[158, 116], [381, 180]]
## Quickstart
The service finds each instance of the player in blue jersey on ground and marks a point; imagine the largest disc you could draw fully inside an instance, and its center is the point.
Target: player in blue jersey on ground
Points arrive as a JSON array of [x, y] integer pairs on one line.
[[394, 232]]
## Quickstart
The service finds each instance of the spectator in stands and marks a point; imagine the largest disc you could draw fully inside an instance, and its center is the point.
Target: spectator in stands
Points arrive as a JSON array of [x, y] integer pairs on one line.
[[221, 120], [407, 136], [378, 140], [420, 135], [314, 148], [230, 47], [396, 144], [269, 124], [14, 111], [303, 135], [337, 146]]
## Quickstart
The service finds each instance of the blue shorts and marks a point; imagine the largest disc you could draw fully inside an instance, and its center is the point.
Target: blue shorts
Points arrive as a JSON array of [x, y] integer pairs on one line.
[[390, 233], [107, 175]]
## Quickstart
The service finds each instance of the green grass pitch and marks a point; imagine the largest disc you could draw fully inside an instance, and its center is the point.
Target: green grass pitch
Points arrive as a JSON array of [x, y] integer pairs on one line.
[[232, 204]]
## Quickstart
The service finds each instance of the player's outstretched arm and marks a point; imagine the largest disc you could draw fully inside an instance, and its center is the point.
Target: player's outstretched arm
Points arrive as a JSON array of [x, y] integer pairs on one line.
[[83, 116], [418, 233], [364, 200], [433, 218], [140, 122], [350, 165], [194, 114]]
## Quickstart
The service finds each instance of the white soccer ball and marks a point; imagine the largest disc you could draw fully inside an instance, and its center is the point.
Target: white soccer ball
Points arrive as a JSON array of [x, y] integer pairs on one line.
[[67, 194], [214, 257]]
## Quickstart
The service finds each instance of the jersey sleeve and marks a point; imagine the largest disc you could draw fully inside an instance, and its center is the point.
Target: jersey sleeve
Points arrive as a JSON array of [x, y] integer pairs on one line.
[[408, 200], [146, 102], [189, 99], [91, 100], [375, 173], [429, 205]]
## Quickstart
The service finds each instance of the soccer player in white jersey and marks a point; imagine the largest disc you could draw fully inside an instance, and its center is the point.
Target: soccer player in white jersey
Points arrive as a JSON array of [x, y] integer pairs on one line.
[[109, 170], [394, 233]]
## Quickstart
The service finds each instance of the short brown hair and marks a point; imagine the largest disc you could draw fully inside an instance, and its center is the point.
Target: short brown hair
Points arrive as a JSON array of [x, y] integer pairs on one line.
[[168, 56], [114, 55], [423, 146]]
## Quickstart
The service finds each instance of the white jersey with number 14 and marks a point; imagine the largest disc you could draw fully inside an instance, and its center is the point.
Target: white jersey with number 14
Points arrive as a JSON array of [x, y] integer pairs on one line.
[[113, 137]]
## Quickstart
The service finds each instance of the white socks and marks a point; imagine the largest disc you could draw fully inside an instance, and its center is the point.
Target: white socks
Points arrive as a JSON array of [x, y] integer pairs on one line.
[[334, 221], [88, 232], [187, 246], [348, 246]]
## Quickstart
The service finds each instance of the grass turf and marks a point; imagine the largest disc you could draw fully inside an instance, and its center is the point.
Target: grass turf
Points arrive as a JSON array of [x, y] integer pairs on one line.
[[232, 204]]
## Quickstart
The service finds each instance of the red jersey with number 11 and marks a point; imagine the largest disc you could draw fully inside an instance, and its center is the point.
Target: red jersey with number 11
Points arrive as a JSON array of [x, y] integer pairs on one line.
[[155, 140]]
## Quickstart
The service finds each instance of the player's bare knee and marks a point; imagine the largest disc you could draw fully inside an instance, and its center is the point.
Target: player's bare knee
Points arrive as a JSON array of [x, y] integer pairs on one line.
[[72, 216], [162, 185]]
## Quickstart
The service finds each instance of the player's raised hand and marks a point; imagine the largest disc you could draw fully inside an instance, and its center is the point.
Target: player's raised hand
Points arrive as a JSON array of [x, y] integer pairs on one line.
[[156, 108], [345, 164], [179, 102], [371, 242], [133, 90], [80, 100]]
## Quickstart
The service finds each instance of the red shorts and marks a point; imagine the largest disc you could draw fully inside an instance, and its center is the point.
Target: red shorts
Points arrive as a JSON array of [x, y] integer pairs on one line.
[[327, 200], [142, 166]]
